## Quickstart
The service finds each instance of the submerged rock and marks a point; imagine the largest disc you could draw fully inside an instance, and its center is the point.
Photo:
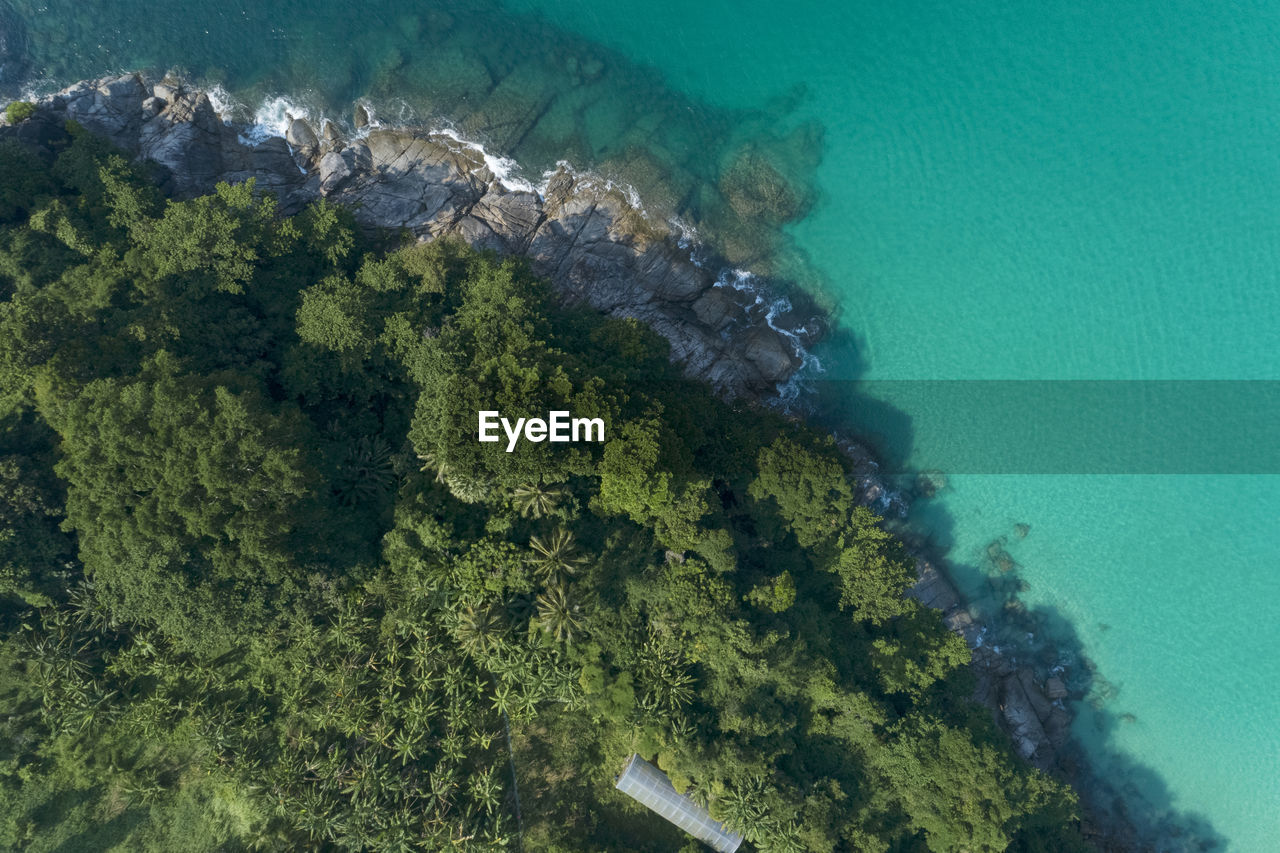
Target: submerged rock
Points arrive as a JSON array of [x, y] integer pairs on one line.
[[758, 191], [512, 108], [930, 482]]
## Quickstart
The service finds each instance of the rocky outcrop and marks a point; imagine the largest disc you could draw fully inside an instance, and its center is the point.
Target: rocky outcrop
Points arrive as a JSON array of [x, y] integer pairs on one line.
[[582, 233]]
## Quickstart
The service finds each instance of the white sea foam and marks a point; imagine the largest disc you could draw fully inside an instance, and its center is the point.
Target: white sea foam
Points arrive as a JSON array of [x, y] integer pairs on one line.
[[595, 182], [745, 281], [222, 102], [272, 118], [505, 170], [38, 89], [689, 239]]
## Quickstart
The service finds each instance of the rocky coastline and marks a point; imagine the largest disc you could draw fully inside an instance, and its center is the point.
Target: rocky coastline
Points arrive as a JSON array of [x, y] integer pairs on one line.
[[585, 235], [596, 245]]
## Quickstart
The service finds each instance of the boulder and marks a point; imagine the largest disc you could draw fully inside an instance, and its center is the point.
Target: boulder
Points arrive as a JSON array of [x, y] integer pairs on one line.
[[1035, 696], [333, 169], [331, 137], [770, 353], [300, 135], [1023, 724], [167, 89], [717, 310], [932, 588], [186, 139], [511, 216], [1058, 728]]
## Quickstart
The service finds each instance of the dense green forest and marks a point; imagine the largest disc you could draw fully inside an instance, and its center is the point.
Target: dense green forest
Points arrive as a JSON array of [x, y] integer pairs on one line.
[[261, 588]]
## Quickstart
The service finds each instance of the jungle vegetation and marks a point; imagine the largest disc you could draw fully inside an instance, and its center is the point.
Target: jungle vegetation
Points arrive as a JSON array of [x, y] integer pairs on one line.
[[262, 589]]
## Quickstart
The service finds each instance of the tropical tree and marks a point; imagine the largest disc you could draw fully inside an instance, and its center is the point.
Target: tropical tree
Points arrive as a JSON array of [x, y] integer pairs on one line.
[[478, 630], [535, 500], [556, 556], [557, 616], [366, 472]]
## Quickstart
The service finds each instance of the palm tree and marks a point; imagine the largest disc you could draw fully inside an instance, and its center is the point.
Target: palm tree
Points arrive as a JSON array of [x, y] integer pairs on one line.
[[535, 501], [556, 615], [311, 814], [527, 705], [666, 673], [421, 710], [453, 680], [442, 785], [786, 839], [555, 556], [681, 729], [487, 790], [406, 747], [453, 746], [478, 632], [502, 698], [741, 810], [366, 471]]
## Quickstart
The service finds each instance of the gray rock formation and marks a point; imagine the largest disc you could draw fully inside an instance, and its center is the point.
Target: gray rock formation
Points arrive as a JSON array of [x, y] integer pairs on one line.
[[584, 235]]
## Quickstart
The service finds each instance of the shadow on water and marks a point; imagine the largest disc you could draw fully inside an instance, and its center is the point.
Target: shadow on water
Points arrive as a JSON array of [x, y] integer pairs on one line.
[[534, 92], [1130, 802]]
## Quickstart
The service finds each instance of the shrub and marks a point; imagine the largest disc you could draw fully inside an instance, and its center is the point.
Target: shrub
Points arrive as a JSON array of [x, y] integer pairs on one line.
[[19, 111]]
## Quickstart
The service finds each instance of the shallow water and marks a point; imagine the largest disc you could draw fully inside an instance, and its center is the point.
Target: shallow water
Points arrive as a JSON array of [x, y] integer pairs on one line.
[[1006, 191]]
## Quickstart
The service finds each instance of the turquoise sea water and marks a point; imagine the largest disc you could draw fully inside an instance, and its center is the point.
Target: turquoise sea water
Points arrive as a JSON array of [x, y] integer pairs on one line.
[[1006, 191]]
